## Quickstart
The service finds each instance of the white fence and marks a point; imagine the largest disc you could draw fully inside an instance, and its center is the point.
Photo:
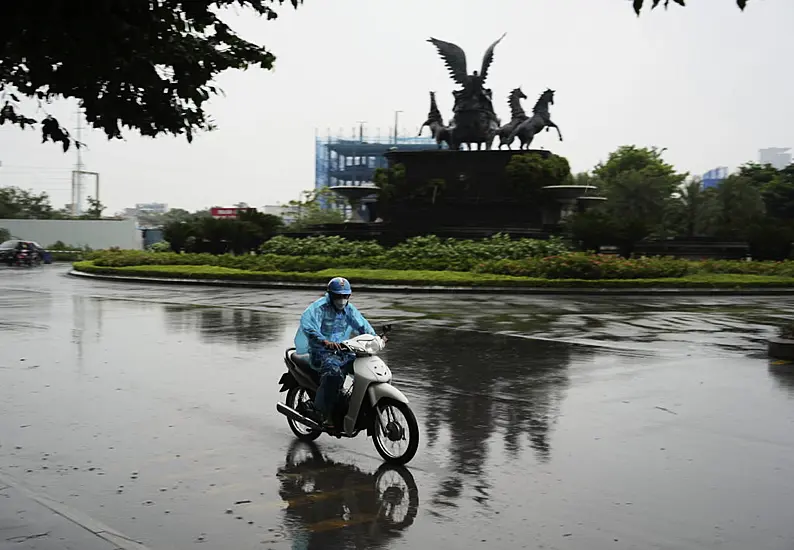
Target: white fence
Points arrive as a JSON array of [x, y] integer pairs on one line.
[[97, 234]]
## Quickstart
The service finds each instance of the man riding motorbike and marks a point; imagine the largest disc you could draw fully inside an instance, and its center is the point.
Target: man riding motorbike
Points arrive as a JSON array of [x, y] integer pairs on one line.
[[323, 325]]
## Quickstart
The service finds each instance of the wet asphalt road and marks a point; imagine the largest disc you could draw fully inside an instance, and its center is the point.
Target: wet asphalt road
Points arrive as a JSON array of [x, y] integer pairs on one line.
[[556, 423]]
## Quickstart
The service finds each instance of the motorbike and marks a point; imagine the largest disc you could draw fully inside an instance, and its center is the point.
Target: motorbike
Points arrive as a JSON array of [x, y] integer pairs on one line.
[[368, 402], [26, 257]]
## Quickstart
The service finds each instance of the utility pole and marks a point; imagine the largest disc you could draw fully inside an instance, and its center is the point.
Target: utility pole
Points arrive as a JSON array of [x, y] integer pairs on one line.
[[77, 175], [396, 124]]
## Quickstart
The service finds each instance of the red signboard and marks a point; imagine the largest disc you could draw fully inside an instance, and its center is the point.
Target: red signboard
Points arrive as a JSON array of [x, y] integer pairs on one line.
[[218, 212]]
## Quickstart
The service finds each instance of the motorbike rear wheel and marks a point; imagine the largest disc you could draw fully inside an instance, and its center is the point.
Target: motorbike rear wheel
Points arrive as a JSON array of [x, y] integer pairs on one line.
[[294, 397], [392, 432]]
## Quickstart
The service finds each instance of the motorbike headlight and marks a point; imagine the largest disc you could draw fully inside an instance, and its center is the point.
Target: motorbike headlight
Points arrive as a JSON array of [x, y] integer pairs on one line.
[[372, 346]]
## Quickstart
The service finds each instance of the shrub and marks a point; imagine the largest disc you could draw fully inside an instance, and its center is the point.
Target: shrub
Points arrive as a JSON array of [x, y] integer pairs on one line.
[[434, 256], [161, 246], [425, 278], [431, 247], [590, 266], [320, 246]]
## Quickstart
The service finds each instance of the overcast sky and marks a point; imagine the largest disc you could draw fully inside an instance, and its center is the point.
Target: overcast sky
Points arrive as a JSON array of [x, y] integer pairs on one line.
[[710, 83]]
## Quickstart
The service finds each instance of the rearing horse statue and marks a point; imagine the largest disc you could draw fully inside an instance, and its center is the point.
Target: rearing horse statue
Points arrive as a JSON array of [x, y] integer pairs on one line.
[[441, 133], [517, 116], [527, 130]]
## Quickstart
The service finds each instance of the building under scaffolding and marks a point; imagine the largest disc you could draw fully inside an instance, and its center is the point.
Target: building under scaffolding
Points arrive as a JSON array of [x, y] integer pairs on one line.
[[346, 161]]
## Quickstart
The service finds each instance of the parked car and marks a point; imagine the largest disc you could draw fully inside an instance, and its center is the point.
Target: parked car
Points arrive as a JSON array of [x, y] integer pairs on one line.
[[9, 250]]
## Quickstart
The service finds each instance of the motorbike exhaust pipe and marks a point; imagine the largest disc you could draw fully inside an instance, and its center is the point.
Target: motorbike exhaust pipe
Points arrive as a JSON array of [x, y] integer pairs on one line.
[[297, 417]]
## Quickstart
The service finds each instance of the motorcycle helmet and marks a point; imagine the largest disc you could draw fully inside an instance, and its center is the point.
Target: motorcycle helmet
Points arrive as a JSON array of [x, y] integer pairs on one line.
[[339, 290]]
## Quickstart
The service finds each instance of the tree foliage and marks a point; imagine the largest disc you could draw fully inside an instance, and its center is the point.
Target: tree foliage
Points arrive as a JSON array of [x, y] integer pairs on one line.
[[95, 209], [16, 203], [638, 4], [317, 207], [647, 198], [692, 212], [528, 173], [244, 234], [639, 186], [145, 66]]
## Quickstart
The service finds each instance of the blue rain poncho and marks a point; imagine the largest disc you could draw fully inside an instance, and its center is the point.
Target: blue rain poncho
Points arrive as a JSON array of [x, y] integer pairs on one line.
[[321, 321]]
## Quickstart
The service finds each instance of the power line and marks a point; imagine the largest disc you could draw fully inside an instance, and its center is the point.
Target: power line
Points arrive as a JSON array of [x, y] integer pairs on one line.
[[8, 167]]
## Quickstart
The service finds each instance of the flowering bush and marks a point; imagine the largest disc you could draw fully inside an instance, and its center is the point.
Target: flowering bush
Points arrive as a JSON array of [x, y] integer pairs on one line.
[[590, 266], [784, 268]]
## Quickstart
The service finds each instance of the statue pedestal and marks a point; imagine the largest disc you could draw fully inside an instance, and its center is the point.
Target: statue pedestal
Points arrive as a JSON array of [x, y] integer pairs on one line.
[[444, 188]]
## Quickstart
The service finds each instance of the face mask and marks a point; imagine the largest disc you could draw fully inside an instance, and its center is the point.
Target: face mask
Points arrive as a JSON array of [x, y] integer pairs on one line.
[[340, 303]]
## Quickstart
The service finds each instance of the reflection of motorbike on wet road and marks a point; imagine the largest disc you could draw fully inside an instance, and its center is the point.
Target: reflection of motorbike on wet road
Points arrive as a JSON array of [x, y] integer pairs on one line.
[[336, 505]]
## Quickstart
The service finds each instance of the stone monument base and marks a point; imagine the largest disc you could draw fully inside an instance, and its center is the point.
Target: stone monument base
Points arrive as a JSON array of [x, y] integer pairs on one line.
[[459, 188]]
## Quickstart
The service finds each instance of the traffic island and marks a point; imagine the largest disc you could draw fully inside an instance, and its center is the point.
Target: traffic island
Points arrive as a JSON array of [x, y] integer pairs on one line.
[[384, 280]]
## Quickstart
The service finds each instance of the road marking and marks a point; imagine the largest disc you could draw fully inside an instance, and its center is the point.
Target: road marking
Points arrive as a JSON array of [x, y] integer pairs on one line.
[[95, 527]]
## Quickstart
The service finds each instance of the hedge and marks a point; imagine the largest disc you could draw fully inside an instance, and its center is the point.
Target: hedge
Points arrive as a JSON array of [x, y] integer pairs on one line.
[[562, 266], [429, 247], [435, 278]]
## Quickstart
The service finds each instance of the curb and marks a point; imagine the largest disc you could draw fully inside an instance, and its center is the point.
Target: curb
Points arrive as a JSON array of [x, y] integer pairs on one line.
[[781, 348], [416, 289]]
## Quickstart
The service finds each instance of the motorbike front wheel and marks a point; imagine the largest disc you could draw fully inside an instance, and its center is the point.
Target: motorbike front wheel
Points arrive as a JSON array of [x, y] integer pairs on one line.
[[295, 397], [396, 435]]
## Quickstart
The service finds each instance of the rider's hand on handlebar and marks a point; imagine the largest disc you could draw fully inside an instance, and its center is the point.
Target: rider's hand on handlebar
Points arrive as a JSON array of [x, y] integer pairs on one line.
[[332, 345]]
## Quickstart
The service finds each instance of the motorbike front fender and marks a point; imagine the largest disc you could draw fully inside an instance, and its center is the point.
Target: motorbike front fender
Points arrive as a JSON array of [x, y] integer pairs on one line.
[[379, 391]]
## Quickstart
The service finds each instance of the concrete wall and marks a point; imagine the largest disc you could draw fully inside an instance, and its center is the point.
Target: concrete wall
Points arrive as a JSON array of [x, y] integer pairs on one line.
[[97, 234]]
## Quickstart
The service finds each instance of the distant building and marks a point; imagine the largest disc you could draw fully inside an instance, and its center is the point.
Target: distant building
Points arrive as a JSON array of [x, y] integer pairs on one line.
[[152, 207], [713, 177], [778, 157], [340, 161], [287, 213]]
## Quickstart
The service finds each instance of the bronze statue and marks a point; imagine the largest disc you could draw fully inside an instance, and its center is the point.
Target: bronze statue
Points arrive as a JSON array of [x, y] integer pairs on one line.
[[441, 133], [475, 120], [517, 116], [540, 119]]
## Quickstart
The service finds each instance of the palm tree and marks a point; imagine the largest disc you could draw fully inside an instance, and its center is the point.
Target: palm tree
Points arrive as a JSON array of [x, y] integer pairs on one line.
[[693, 208]]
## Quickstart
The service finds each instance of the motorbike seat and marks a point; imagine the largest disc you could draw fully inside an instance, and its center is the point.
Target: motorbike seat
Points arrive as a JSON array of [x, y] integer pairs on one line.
[[303, 362]]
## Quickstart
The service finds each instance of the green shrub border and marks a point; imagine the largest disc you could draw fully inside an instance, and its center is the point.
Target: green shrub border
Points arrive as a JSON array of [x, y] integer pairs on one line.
[[436, 278]]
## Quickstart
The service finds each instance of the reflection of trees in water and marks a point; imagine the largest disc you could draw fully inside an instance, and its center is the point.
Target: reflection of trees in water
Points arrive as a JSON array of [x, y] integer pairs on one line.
[[336, 505], [478, 383], [247, 328], [783, 373]]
